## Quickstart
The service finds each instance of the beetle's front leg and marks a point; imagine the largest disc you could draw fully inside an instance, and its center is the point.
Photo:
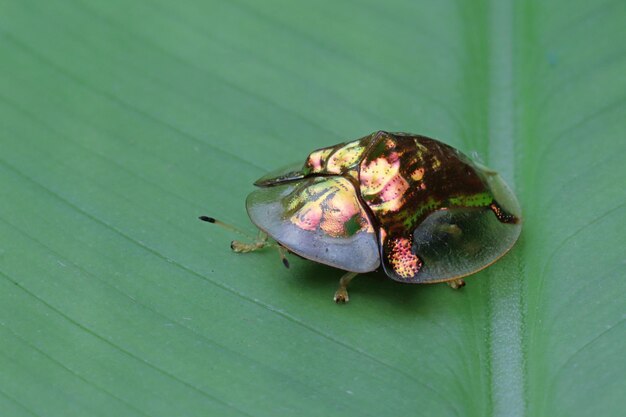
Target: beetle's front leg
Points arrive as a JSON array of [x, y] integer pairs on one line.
[[242, 247], [456, 283], [341, 295], [260, 243]]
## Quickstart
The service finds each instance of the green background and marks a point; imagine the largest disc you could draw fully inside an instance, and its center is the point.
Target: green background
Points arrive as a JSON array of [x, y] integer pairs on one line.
[[121, 122]]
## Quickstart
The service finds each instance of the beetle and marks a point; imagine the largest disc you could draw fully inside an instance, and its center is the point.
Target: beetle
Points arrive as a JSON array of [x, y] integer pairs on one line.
[[415, 207]]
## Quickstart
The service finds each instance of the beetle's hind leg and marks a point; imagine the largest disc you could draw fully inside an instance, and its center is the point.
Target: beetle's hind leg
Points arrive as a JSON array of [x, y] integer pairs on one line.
[[341, 295], [456, 283]]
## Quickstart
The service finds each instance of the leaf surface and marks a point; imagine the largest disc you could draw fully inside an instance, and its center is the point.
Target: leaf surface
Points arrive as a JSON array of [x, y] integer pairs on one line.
[[121, 122]]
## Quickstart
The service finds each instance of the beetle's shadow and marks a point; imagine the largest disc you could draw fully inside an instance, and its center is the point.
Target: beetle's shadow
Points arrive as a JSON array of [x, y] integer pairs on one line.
[[372, 287]]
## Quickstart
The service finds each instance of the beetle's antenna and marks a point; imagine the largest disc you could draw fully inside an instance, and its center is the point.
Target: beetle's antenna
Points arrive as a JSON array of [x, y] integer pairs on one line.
[[225, 226]]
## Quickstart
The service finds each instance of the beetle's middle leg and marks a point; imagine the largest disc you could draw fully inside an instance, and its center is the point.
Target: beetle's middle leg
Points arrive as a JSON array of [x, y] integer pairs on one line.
[[341, 295]]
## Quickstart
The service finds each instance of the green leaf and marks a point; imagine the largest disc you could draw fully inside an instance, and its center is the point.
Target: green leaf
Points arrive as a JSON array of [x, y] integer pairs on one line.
[[122, 122]]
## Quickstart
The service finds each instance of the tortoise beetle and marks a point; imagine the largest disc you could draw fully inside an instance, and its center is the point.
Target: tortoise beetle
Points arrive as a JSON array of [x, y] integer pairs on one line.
[[417, 208]]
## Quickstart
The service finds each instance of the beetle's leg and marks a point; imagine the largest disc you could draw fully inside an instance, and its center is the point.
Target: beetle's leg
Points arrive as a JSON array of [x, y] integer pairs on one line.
[[456, 284], [259, 243], [282, 252], [341, 295]]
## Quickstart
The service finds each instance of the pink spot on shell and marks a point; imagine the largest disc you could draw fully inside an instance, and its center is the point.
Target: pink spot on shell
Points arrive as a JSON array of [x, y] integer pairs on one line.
[[402, 259]]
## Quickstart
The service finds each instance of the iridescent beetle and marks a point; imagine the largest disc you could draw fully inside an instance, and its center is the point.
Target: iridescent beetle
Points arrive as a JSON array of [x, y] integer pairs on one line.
[[416, 207]]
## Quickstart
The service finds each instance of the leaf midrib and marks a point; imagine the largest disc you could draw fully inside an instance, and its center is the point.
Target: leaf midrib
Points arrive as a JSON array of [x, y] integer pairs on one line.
[[505, 290]]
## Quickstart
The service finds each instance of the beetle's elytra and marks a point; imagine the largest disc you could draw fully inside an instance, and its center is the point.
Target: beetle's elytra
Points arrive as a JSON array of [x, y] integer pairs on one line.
[[418, 208]]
